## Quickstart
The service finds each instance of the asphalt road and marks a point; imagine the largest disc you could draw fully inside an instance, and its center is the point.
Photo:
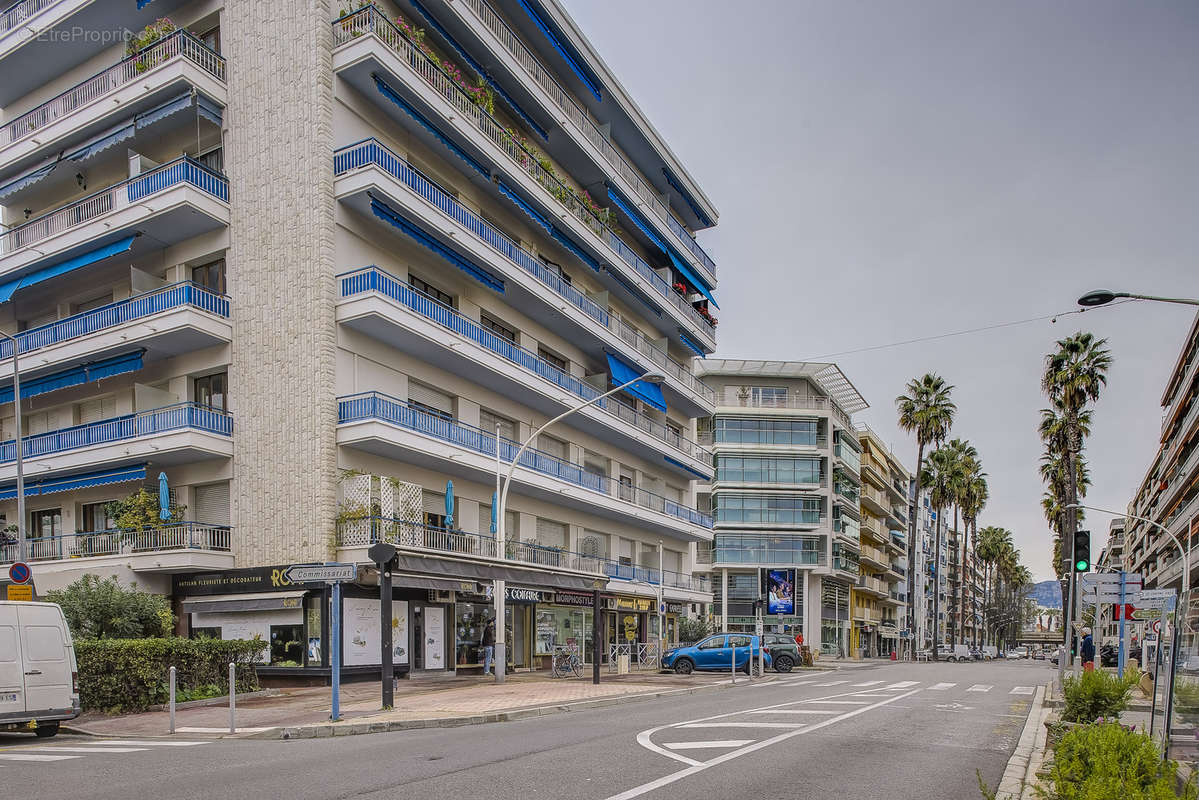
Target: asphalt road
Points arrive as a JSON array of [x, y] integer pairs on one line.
[[890, 731]]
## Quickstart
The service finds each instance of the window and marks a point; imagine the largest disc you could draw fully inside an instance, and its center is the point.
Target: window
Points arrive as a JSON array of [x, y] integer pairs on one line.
[[804, 432], [94, 303], [763, 469], [214, 159], [431, 401], [212, 39], [212, 390], [714, 643], [211, 276], [555, 268], [776, 509], [45, 523], [552, 359], [738, 641], [497, 327], [287, 645], [551, 446], [769, 396], [95, 518], [206, 633], [488, 421], [432, 291], [96, 410]]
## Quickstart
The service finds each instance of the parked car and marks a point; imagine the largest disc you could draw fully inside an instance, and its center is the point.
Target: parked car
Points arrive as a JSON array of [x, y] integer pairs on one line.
[[39, 679], [979, 655], [783, 651], [954, 653], [1039, 655], [1017, 653], [1109, 655], [716, 653]]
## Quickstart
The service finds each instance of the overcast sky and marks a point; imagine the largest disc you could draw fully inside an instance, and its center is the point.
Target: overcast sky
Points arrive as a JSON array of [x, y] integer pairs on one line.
[[891, 170]]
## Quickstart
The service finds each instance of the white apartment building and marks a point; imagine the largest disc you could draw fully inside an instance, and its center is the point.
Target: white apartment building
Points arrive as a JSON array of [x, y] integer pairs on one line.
[[784, 497], [305, 261]]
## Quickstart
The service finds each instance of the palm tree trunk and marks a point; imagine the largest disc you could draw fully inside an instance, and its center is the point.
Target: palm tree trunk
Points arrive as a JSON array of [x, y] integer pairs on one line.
[[937, 587], [986, 587], [973, 525], [959, 624], [913, 514], [1071, 521]]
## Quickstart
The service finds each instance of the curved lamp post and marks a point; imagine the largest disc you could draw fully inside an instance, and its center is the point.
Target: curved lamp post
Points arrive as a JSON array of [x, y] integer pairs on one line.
[[1186, 556], [19, 447], [502, 500], [1101, 297]]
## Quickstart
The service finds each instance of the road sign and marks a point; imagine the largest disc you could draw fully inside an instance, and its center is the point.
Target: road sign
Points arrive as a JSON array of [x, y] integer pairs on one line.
[[1156, 626], [1152, 602], [19, 572], [1129, 596], [21, 591], [1155, 594], [320, 573], [1106, 579], [1143, 614]]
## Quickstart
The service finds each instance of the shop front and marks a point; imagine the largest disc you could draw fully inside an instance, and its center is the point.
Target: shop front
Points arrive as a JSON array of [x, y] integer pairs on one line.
[[628, 621], [473, 612]]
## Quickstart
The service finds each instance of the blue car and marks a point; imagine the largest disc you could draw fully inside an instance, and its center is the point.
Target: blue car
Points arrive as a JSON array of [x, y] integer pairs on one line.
[[715, 653]]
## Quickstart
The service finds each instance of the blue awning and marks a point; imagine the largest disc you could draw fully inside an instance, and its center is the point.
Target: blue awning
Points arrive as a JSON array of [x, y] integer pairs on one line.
[[469, 59], [175, 104], [385, 213], [103, 141], [622, 372], [82, 260], [66, 483], [691, 277], [677, 185], [691, 344], [525, 207], [76, 376], [681, 465], [209, 109], [564, 49], [637, 294], [394, 96], [28, 178]]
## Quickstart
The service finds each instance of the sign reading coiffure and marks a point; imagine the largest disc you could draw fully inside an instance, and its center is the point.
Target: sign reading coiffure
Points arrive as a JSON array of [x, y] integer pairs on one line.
[[235, 581]]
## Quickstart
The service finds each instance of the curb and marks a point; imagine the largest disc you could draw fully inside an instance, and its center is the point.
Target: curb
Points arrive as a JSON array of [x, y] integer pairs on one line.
[[1020, 766], [325, 730], [223, 700]]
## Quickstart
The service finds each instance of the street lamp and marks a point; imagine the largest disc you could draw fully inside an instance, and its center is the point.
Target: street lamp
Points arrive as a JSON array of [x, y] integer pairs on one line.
[[18, 445], [1101, 297], [502, 500], [1186, 556]]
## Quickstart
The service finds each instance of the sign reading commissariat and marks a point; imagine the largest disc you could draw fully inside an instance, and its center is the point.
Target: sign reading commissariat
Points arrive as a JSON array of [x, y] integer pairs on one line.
[[320, 573]]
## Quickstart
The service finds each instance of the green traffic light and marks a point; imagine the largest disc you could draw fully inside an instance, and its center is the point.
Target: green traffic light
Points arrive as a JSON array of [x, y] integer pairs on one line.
[[1081, 566]]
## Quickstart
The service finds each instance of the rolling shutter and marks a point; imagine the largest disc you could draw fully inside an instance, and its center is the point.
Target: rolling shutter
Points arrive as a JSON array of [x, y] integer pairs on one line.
[[550, 533], [212, 504], [431, 398]]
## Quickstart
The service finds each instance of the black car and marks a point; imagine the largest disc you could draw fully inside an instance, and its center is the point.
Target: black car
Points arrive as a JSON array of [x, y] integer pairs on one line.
[[1109, 655]]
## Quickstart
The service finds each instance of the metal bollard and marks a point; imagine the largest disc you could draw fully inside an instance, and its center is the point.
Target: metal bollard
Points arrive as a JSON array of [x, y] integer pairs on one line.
[[733, 664], [232, 698], [172, 690]]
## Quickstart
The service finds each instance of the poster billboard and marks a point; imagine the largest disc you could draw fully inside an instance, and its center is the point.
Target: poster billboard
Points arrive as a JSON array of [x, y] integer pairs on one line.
[[360, 631], [780, 591]]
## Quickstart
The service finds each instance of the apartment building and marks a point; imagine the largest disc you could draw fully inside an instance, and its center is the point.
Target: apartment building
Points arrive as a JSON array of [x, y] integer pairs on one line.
[[880, 597], [784, 497], [1111, 559], [932, 574], [964, 611], [316, 272], [1169, 493]]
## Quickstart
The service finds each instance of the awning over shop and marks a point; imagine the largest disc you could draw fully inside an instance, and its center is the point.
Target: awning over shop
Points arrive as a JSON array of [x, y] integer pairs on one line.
[[437, 584], [253, 601], [623, 372], [490, 572]]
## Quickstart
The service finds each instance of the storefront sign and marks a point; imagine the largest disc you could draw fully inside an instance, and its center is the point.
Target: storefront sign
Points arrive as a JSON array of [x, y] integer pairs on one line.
[[674, 608], [513, 594], [255, 579], [581, 600], [634, 603]]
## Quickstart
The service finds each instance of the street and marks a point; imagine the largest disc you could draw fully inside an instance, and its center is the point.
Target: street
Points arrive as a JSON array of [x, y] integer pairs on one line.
[[885, 731]]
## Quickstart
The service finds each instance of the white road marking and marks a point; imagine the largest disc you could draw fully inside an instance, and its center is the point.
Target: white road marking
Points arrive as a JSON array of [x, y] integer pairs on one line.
[[901, 685], [940, 687], [796, 711], [832, 683], [841, 702], [1023, 690], [867, 683], [95, 749], [220, 730], [151, 742], [643, 739], [981, 687], [872, 696], [741, 725], [701, 745], [32, 757], [799, 683]]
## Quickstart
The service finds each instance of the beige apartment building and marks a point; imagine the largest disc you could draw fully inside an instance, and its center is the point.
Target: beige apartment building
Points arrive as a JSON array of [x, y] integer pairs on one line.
[[312, 269]]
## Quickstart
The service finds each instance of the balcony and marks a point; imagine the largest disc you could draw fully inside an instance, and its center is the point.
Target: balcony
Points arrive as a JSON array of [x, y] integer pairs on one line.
[[416, 537], [171, 435], [168, 204], [876, 501], [872, 586], [177, 547], [767, 550], [386, 309], [875, 557], [531, 279], [42, 39], [175, 319], [389, 427], [177, 63], [367, 45], [523, 65]]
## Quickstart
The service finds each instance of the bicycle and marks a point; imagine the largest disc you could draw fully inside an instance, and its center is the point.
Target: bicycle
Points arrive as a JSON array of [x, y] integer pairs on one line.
[[565, 662]]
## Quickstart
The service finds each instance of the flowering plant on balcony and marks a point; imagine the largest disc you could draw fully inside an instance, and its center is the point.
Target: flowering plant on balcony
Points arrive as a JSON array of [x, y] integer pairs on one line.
[[702, 308], [679, 287], [155, 31], [529, 157], [479, 92]]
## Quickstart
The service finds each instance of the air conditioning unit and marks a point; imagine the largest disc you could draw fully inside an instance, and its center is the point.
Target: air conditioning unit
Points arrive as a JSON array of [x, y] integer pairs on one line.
[[441, 596]]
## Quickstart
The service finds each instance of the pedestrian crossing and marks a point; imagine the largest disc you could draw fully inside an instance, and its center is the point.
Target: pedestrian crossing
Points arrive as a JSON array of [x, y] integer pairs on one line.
[[68, 751], [876, 689]]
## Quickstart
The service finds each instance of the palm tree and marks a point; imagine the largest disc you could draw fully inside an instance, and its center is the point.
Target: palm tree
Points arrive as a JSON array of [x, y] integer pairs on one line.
[[926, 411], [974, 499], [993, 542], [1074, 376], [939, 476]]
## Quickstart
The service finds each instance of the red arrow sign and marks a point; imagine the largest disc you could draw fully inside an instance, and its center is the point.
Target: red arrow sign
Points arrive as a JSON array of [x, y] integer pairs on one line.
[[1128, 608]]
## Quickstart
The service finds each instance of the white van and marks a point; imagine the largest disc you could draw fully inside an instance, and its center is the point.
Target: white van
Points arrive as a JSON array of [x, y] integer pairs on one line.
[[39, 680]]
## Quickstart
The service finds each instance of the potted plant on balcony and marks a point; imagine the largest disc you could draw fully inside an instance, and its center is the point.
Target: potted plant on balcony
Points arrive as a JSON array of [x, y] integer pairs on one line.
[[137, 522], [151, 34]]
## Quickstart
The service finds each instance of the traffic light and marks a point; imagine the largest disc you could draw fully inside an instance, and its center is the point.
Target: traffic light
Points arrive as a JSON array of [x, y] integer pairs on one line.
[[1082, 551]]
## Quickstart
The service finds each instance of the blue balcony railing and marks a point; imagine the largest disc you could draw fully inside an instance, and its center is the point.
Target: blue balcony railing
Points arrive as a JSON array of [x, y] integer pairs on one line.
[[372, 279], [378, 406], [156, 539], [181, 170], [140, 306], [131, 426]]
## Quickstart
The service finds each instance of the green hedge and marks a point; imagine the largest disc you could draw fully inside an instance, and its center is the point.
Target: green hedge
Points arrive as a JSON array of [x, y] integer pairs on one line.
[[131, 674]]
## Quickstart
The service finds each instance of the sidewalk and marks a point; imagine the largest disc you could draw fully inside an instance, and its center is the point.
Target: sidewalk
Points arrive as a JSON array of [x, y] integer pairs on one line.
[[460, 700]]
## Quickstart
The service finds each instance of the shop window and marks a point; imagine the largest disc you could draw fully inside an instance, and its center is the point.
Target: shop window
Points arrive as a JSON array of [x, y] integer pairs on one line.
[[287, 648], [312, 617]]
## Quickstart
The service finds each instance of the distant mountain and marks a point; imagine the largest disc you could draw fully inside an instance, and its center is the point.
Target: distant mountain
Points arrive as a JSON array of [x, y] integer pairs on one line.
[[1047, 594]]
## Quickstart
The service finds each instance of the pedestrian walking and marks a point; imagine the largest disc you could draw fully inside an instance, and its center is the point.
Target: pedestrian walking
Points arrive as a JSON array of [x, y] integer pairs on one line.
[[488, 646], [1087, 650]]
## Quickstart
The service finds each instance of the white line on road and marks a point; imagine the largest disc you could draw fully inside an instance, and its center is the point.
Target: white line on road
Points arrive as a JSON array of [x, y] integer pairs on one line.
[[796, 711], [799, 683], [696, 766], [901, 685], [701, 745], [1023, 690], [93, 749], [872, 696], [150, 742], [221, 730], [940, 687], [981, 687], [832, 683], [841, 702], [867, 683], [32, 757], [741, 725]]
